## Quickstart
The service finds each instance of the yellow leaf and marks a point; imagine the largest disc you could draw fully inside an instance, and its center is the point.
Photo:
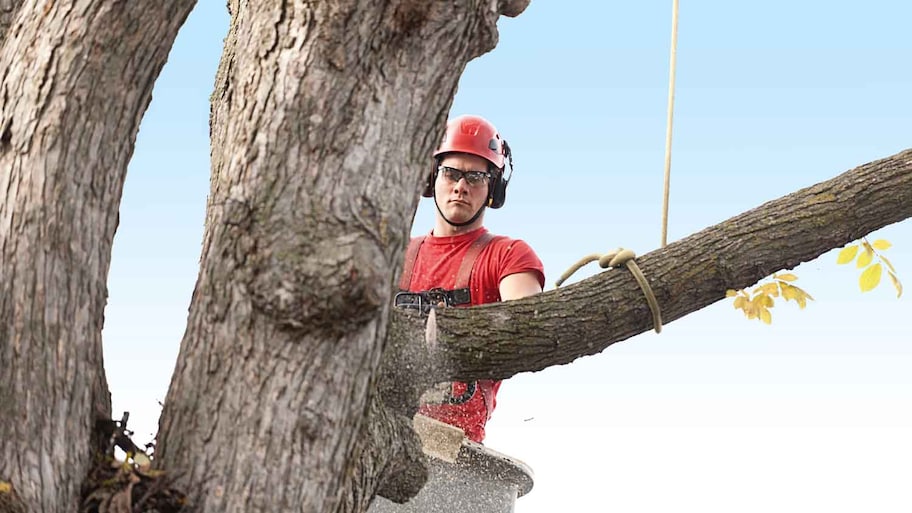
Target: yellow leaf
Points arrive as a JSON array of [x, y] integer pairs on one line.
[[788, 291], [803, 293], [5, 487], [865, 257], [847, 254], [870, 278], [896, 284], [731, 292], [785, 277], [766, 316], [739, 302], [881, 244], [761, 301], [889, 265], [802, 302], [771, 289]]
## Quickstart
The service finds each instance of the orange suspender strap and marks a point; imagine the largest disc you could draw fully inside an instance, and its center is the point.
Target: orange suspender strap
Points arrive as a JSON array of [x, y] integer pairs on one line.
[[468, 261], [484, 387], [465, 268], [411, 254]]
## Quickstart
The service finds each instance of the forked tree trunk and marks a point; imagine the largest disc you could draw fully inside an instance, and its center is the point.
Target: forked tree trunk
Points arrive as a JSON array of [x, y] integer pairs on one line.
[[323, 118], [75, 79]]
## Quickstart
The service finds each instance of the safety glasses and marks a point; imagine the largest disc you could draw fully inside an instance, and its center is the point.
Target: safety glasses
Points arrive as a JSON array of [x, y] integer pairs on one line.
[[473, 178]]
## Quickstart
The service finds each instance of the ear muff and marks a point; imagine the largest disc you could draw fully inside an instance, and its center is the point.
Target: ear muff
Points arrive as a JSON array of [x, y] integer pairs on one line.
[[498, 194], [428, 191], [499, 186]]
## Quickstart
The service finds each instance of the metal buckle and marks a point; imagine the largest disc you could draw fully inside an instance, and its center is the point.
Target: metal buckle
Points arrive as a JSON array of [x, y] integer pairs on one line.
[[438, 297], [434, 298], [460, 297], [412, 301]]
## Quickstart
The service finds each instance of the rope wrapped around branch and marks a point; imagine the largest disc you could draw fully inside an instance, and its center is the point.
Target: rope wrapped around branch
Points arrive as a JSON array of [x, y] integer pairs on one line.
[[614, 259]]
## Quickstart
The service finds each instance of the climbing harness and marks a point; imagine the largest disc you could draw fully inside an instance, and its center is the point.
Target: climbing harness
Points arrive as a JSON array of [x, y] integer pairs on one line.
[[434, 298], [438, 297], [614, 259], [427, 300]]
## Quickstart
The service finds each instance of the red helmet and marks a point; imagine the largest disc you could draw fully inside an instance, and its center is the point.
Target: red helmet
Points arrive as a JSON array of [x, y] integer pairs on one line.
[[475, 135]]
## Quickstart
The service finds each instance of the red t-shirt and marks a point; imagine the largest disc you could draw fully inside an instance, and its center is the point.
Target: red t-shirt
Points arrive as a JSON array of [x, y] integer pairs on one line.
[[436, 266]]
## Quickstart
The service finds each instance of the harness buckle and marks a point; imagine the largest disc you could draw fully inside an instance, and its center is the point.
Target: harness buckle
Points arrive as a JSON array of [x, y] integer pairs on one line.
[[434, 298], [412, 301]]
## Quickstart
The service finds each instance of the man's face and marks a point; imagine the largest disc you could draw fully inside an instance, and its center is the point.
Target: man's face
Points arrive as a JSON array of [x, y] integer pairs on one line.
[[459, 200]]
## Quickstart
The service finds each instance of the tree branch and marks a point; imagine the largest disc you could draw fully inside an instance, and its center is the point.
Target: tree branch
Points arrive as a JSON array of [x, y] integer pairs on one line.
[[557, 327], [387, 460]]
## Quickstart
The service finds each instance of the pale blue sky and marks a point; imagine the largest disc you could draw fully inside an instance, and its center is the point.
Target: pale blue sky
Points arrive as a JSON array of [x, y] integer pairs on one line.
[[716, 414]]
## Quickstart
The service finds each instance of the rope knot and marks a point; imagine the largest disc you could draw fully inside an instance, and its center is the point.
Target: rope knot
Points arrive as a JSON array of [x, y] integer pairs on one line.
[[615, 259]]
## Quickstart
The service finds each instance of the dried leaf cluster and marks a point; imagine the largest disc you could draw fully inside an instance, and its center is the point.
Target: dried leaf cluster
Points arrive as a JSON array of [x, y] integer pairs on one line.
[[756, 305]]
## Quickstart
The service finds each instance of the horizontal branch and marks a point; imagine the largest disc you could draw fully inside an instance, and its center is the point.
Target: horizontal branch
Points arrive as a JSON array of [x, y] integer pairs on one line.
[[559, 326]]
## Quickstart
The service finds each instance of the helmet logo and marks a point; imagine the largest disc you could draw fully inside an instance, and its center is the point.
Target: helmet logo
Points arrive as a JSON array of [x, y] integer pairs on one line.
[[470, 127]]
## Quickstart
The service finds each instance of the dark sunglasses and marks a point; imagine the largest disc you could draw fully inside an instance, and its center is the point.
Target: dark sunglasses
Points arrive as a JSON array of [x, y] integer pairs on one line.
[[473, 178]]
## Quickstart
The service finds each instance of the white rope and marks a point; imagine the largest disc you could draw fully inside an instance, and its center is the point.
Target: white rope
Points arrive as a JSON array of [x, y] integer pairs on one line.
[[671, 89]]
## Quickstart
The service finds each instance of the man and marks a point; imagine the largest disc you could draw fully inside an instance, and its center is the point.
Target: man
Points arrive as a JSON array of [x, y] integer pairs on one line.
[[460, 263]]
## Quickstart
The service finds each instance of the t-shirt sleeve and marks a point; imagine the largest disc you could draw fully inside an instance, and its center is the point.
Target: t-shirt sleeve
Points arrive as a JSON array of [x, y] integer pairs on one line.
[[515, 256]]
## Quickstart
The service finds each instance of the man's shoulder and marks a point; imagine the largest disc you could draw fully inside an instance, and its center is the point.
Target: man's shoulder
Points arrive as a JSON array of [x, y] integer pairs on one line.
[[508, 243]]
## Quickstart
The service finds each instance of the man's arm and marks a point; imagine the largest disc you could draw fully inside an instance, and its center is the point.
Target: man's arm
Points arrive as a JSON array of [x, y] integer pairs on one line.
[[519, 285]]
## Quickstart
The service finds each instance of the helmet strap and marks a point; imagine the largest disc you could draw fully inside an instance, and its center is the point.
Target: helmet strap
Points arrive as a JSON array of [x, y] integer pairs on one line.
[[464, 223], [451, 223]]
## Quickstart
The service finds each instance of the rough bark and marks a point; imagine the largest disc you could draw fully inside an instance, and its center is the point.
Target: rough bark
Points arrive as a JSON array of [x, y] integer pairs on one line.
[[558, 326], [75, 78], [322, 119], [8, 10], [323, 116]]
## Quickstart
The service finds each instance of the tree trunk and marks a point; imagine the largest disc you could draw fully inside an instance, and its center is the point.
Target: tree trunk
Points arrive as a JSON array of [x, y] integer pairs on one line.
[[322, 120], [8, 9], [75, 78], [295, 380]]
